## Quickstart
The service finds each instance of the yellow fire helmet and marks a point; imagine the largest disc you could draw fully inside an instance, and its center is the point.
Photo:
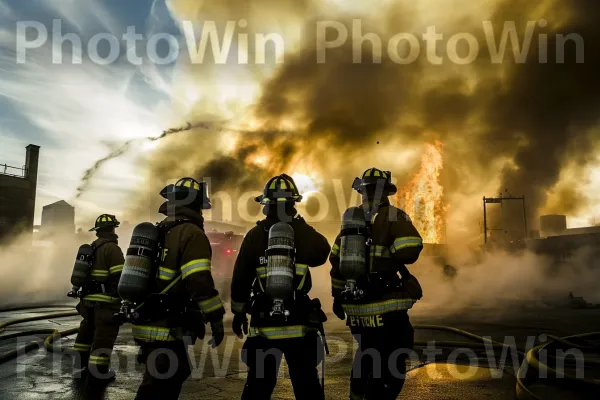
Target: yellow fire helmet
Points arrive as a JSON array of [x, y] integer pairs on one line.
[[105, 221], [279, 188], [188, 192], [374, 176]]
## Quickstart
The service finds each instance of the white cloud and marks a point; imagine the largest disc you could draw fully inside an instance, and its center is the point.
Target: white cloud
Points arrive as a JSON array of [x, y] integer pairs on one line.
[[82, 111]]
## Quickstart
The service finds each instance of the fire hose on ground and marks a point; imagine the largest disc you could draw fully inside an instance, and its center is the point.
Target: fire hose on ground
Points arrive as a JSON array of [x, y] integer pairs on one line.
[[523, 376]]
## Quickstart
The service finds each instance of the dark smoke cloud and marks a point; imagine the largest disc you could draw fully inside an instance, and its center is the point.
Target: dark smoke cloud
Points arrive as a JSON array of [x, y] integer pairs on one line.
[[550, 107], [123, 148], [537, 115]]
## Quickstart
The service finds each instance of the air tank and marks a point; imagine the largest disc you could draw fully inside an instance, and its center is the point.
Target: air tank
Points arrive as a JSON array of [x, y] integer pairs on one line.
[[280, 266], [82, 267], [353, 248], [139, 268]]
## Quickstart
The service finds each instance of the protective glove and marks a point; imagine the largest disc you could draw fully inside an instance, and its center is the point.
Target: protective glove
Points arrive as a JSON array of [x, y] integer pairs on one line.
[[240, 324], [218, 333], [338, 310]]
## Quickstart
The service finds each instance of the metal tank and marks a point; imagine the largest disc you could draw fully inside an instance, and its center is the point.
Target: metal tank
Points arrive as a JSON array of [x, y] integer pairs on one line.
[[139, 267], [82, 267], [353, 250], [280, 266]]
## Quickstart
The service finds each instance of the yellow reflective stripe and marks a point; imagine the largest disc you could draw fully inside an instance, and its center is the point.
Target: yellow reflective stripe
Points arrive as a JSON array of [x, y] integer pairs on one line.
[[116, 269], [380, 252], [338, 283], [199, 265], [301, 269], [262, 288], [99, 360], [281, 332], [364, 310], [335, 250], [237, 307], [210, 305], [102, 298], [152, 333], [408, 241], [166, 274], [99, 272], [82, 347], [301, 284], [261, 272]]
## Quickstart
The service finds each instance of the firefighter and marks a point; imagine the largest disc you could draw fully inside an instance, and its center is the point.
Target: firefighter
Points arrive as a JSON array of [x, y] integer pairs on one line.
[[185, 276], [376, 309], [99, 301], [269, 337]]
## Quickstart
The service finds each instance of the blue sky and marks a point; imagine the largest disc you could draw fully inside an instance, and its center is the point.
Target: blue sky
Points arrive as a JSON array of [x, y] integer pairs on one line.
[[78, 113]]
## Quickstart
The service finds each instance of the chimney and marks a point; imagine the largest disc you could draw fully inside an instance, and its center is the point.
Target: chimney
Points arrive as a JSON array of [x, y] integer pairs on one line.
[[31, 173], [31, 163]]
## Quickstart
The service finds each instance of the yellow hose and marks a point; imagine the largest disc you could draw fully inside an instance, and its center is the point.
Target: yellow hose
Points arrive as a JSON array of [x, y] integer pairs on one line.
[[460, 332], [34, 345], [532, 360], [3, 325]]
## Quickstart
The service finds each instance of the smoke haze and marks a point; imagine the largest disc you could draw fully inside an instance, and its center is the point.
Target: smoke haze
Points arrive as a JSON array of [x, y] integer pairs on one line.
[[503, 126], [531, 128]]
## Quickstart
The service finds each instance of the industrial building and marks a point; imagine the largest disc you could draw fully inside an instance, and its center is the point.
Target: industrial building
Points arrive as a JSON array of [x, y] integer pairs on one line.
[[58, 217], [17, 194], [556, 225]]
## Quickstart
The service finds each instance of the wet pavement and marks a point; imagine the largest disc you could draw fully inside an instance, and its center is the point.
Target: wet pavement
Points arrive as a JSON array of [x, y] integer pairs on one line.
[[221, 374]]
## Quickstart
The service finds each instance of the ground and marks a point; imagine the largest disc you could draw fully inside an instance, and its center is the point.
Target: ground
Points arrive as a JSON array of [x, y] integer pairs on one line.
[[42, 375]]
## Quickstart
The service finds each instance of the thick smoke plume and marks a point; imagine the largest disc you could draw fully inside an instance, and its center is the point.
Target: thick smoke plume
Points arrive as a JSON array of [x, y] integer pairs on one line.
[[512, 125]]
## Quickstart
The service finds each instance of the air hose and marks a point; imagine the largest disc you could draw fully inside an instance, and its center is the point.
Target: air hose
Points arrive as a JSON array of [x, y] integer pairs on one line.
[[523, 376]]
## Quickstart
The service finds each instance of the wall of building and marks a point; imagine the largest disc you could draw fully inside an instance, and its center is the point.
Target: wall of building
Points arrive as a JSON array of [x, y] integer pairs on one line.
[[58, 217], [17, 197]]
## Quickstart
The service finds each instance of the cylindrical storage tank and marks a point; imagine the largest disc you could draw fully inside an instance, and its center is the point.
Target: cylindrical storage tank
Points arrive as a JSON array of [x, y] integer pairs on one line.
[[82, 267], [280, 262], [139, 269], [553, 225], [353, 245]]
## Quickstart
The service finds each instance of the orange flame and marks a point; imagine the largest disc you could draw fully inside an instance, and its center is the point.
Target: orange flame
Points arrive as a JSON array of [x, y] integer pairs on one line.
[[423, 197]]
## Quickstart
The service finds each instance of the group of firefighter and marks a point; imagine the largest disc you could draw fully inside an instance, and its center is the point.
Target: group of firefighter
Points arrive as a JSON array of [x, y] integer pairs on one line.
[[163, 286]]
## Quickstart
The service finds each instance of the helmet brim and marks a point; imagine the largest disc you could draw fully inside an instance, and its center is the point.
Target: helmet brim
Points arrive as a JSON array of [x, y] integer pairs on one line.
[[264, 200], [97, 228], [390, 188]]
